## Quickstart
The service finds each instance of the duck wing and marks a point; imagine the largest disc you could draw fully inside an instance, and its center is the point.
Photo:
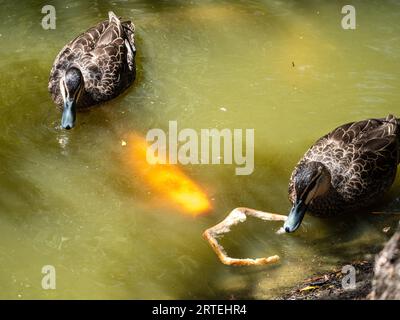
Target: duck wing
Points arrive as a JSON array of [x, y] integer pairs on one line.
[[111, 36], [374, 148], [378, 136], [106, 66], [361, 156], [363, 131]]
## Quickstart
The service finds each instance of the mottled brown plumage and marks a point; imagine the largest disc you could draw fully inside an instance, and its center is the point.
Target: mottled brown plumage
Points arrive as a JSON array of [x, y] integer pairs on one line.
[[361, 159], [105, 56]]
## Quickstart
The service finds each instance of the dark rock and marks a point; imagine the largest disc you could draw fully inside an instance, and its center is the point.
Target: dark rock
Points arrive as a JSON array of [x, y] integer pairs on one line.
[[386, 282]]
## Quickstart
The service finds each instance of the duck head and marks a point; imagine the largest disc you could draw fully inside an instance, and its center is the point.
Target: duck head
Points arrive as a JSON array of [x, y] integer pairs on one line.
[[71, 87], [312, 180]]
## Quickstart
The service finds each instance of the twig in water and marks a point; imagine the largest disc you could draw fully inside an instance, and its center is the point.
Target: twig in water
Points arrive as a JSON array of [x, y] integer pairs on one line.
[[386, 212], [235, 217]]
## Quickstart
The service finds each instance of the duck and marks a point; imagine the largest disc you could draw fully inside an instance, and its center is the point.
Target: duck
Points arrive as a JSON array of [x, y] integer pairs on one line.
[[346, 170], [95, 67]]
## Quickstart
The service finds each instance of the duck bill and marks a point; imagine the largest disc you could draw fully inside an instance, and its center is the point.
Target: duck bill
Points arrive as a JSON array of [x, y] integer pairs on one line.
[[69, 114], [295, 217]]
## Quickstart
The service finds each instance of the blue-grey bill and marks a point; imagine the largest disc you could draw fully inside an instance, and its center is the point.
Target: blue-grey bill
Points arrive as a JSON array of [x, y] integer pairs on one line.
[[69, 115], [295, 217]]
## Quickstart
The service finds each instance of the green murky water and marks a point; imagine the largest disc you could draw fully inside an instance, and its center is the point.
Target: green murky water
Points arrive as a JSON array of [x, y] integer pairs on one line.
[[68, 199]]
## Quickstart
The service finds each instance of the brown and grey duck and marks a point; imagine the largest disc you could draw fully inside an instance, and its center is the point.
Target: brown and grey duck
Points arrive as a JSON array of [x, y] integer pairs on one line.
[[345, 170], [95, 67]]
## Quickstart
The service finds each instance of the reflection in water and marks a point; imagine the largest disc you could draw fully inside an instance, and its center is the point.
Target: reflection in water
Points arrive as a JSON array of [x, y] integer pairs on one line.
[[63, 140], [70, 199]]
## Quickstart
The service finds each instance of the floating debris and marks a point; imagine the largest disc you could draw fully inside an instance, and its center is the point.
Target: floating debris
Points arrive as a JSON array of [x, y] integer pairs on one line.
[[386, 229], [308, 288]]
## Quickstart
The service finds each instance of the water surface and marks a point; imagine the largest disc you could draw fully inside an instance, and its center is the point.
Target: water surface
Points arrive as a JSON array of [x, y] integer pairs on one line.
[[70, 199]]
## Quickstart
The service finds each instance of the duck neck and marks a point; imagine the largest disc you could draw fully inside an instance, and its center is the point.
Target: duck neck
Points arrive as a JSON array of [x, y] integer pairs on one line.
[[327, 204]]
